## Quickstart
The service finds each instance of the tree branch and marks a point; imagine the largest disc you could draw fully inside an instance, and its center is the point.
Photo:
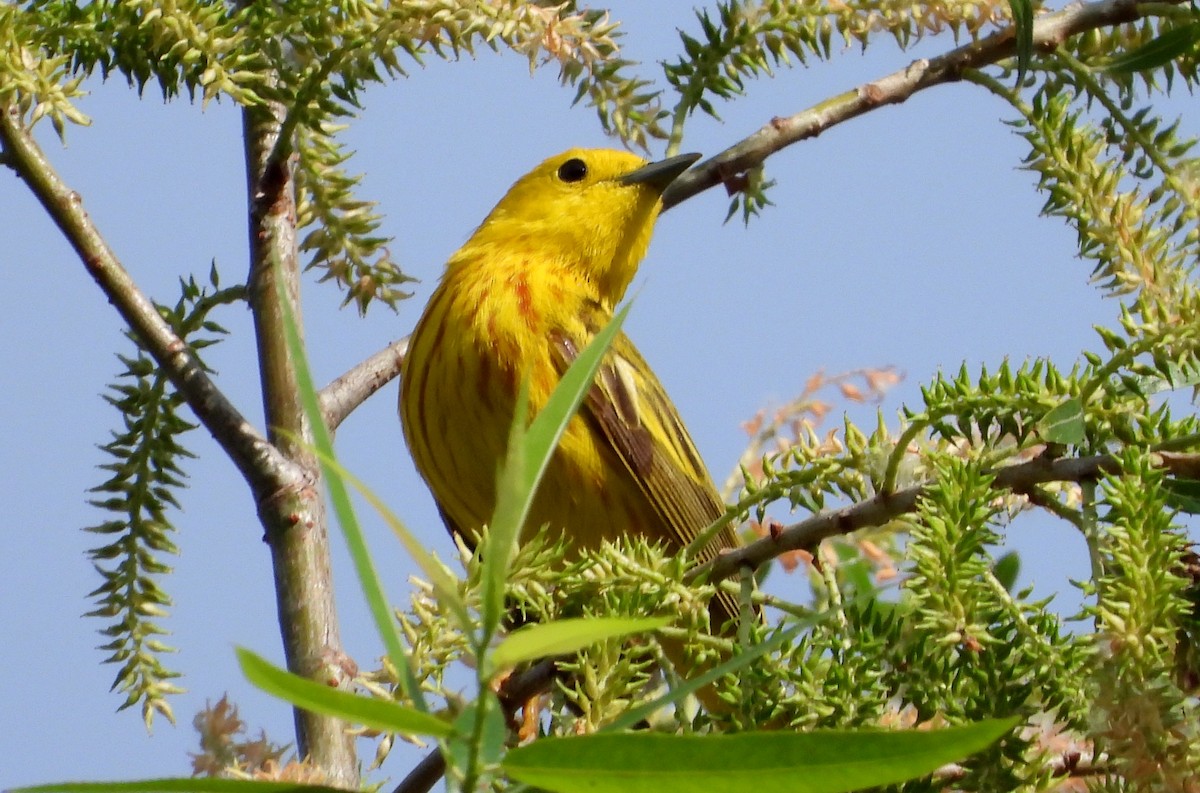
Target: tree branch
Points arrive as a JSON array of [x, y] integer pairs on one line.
[[283, 484], [781, 132], [1049, 31], [263, 467], [1020, 478], [295, 519], [343, 395]]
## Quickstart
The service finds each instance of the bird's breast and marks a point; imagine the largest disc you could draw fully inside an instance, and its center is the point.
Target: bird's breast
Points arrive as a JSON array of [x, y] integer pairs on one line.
[[482, 335]]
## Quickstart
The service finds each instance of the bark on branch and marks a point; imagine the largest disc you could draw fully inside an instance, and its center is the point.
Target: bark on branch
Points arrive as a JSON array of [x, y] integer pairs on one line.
[[343, 395]]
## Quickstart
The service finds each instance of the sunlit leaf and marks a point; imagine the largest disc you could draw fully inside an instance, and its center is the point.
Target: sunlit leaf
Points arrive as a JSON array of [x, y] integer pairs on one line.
[[755, 762], [1063, 423], [566, 636], [528, 455], [318, 698], [1158, 51]]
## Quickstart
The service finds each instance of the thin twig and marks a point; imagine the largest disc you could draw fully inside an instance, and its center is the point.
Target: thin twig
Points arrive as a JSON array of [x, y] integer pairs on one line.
[[1048, 32], [807, 534], [340, 398], [1019, 478], [289, 505]]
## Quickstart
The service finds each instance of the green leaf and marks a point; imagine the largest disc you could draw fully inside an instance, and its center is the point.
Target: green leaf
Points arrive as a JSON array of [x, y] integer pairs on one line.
[[318, 698], [1172, 377], [1022, 16], [1006, 569], [566, 636], [368, 578], [1183, 494], [1158, 51], [476, 746], [180, 785], [757, 762], [513, 501], [528, 455], [444, 584], [1063, 423]]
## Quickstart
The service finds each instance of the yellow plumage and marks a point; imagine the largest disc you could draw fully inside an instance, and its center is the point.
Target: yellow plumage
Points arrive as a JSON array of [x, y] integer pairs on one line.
[[530, 288]]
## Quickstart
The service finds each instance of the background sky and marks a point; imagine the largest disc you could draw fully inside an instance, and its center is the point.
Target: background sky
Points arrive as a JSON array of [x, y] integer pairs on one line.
[[909, 237]]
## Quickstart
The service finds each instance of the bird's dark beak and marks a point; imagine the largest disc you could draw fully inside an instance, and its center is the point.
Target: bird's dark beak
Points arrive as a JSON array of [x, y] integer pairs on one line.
[[660, 174]]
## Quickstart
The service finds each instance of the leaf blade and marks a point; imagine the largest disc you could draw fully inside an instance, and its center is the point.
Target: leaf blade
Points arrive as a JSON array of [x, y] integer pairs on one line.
[[566, 636], [1157, 52], [1064, 423], [828, 761], [529, 454], [313, 696]]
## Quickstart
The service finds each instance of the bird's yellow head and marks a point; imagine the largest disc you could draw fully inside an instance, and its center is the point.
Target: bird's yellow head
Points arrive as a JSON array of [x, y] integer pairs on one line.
[[589, 210]]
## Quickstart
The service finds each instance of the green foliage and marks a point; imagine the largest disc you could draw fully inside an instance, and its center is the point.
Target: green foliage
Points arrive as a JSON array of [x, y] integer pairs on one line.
[[36, 84], [746, 38], [953, 643], [748, 194], [1149, 724], [1157, 53], [958, 642], [193, 47], [146, 473], [473, 733], [1111, 167]]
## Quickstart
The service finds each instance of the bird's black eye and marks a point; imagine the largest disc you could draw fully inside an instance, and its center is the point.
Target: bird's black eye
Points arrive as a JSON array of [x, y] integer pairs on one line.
[[572, 170]]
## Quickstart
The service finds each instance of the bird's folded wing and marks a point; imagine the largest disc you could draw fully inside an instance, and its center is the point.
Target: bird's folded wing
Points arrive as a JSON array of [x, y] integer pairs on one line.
[[630, 410]]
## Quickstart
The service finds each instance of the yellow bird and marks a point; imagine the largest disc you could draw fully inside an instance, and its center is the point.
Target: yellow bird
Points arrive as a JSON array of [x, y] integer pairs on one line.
[[525, 294]]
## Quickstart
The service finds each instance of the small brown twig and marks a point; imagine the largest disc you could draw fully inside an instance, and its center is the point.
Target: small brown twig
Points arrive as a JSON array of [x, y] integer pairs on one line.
[[340, 398]]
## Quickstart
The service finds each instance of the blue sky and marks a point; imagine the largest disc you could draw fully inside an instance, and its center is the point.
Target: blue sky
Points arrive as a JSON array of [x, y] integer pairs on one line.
[[909, 237]]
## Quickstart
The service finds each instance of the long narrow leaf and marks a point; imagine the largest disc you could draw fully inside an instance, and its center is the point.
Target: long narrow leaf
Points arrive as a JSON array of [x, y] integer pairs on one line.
[[757, 762], [529, 454], [312, 696], [1022, 16], [566, 636], [445, 586], [1158, 51], [512, 505], [179, 785], [548, 426], [340, 499]]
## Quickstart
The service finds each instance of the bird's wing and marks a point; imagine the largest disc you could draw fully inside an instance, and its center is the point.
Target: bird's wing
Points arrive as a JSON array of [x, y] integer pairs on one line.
[[630, 410]]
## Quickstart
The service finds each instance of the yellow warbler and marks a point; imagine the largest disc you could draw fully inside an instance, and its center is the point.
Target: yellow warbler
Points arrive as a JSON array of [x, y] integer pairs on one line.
[[530, 288]]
